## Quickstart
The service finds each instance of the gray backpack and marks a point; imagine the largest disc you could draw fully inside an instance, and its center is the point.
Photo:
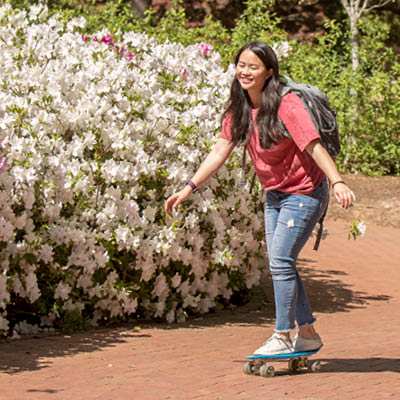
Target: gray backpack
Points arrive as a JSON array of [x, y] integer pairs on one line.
[[317, 105]]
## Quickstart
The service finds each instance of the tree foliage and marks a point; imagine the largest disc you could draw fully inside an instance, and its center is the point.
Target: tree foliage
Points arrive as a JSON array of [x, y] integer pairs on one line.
[[370, 136]]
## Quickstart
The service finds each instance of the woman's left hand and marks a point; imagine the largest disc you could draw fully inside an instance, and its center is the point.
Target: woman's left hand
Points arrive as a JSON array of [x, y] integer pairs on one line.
[[344, 195]]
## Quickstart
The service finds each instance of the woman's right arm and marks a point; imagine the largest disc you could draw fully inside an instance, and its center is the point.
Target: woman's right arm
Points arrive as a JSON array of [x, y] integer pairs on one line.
[[213, 162]]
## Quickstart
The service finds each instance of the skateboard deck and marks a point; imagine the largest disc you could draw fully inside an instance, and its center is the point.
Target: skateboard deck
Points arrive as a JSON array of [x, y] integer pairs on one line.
[[297, 362]]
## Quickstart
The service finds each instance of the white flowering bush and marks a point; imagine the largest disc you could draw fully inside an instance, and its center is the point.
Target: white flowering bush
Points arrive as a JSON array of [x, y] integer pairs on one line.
[[96, 133]]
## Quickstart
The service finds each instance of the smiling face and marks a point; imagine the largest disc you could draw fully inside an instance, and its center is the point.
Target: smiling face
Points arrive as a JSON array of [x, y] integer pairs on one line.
[[252, 73]]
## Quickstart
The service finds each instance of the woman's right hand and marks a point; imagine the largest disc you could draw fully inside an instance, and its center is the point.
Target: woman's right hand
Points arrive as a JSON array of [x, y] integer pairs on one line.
[[214, 161], [172, 203]]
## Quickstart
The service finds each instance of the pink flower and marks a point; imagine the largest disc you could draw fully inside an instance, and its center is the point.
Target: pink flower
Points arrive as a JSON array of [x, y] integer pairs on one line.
[[119, 48], [108, 39], [184, 73], [3, 164], [205, 49], [122, 51]]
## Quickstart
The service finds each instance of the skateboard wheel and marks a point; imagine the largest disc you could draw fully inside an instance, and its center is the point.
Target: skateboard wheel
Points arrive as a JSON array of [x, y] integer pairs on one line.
[[248, 368], [267, 371], [294, 366], [315, 366]]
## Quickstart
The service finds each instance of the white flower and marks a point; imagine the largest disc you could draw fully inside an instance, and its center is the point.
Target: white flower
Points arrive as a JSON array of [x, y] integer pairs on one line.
[[282, 49], [84, 281], [46, 253], [170, 316], [160, 287], [361, 227], [130, 305], [29, 198], [4, 294], [70, 305], [6, 230], [38, 11], [18, 287], [32, 288], [25, 328], [62, 291], [176, 280], [3, 324], [48, 320], [150, 213], [79, 22]]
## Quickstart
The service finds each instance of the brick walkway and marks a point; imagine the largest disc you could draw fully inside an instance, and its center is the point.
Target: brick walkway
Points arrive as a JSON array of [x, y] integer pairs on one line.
[[354, 287]]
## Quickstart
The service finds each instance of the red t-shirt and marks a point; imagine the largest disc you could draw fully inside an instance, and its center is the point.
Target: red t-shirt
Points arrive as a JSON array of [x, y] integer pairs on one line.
[[285, 166]]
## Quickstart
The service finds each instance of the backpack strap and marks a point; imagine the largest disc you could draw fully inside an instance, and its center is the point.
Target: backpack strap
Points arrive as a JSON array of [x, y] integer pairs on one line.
[[321, 223], [320, 230], [243, 180]]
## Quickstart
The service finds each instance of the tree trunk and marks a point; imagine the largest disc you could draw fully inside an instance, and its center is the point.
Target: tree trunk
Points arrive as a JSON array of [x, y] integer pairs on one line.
[[140, 6], [355, 44]]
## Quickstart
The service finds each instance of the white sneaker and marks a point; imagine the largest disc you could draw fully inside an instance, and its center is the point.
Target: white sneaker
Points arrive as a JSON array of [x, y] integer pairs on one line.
[[301, 344], [276, 344]]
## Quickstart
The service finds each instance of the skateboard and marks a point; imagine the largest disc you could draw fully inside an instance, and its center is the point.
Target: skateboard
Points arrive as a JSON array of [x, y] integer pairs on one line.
[[297, 362]]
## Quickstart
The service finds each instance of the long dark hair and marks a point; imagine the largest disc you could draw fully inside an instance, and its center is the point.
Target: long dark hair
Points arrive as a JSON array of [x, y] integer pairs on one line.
[[269, 125]]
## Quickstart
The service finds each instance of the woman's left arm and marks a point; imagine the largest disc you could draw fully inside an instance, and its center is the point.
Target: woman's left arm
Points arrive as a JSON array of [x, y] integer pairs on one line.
[[342, 192]]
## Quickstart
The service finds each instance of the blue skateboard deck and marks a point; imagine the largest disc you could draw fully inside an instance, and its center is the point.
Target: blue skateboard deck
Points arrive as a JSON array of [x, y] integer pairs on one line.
[[297, 362], [286, 356]]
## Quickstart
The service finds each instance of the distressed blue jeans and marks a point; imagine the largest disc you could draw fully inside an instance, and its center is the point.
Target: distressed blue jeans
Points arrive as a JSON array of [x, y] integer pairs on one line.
[[289, 222]]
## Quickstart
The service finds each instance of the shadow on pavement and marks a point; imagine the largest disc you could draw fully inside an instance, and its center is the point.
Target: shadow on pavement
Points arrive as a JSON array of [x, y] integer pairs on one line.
[[327, 292], [375, 364], [37, 352]]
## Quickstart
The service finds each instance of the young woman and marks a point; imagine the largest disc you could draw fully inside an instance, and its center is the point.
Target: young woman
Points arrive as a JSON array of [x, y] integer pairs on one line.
[[292, 170]]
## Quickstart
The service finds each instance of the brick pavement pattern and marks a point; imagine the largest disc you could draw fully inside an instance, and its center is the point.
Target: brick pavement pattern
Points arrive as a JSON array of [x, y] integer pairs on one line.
[[354, 288]]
